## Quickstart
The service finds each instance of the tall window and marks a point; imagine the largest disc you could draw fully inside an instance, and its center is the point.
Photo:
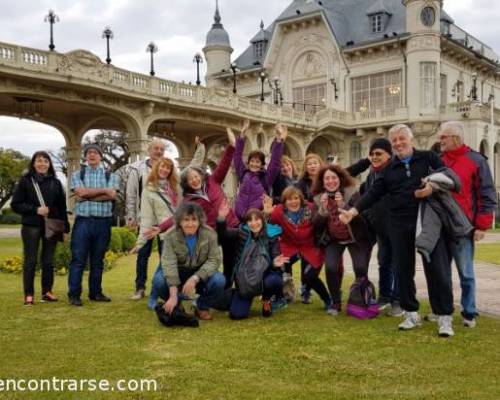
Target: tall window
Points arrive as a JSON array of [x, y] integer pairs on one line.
[[428, 85], [377, 23], [259, 49], [310, 98], [443, 86], [377, 92], [355, 152]]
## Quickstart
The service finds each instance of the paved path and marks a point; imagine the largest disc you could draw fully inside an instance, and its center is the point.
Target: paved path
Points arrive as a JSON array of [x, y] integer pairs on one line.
[[487, 276]]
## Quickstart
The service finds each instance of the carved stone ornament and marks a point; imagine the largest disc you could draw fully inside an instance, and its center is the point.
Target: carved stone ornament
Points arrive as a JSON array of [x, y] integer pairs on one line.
[[81, 61], [310, 65]]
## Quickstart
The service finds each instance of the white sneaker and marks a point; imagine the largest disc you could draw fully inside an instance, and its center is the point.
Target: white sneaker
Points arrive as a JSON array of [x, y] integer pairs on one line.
[[412, 320], [469, 323], [138, 295], [431, 317], [396, 310], [445, 323]]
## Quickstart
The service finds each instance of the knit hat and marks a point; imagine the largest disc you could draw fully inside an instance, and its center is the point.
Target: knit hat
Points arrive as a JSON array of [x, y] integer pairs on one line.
[[94, 146], [383, 144]]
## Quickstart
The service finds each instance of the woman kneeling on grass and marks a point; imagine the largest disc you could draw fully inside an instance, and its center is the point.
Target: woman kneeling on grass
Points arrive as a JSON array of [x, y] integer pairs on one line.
[[259, 262], [190, 260], [295, 218]]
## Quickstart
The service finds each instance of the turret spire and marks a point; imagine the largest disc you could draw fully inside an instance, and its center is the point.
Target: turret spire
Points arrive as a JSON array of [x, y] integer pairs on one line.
[[217, 17]]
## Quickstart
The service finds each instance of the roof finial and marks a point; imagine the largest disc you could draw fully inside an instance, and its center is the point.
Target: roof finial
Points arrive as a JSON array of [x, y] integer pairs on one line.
[[262, 24], [217, 18]]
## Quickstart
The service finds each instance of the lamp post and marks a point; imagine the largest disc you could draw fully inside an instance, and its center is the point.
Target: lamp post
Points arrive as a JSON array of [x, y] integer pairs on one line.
[[235, 69], [198, 59], [152, 48], [51, 18], [262, 77], [107, 34], [473, 91]]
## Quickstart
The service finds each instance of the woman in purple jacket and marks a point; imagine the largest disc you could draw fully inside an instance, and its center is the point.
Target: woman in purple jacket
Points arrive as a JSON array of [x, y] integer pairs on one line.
[[254, 179]]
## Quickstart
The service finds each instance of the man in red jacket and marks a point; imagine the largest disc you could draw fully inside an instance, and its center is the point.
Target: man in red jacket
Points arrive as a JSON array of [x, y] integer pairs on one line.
[[477, 200]]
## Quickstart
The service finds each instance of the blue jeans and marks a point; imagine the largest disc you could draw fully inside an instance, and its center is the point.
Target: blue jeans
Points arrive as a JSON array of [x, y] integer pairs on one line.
[[462, 251], [89, 241], [273, 286], [388, 276], [141, 265], [210, 292]]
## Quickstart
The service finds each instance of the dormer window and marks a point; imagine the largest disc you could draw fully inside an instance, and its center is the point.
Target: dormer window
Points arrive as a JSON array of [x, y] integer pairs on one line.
[[259, 49], [377, 22]]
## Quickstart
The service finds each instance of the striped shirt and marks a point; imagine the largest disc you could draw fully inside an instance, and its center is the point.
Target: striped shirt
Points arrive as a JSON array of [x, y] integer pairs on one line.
[[94, 178]]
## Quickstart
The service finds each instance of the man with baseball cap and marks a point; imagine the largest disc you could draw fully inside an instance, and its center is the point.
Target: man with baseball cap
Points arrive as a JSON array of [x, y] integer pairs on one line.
[[94, 189]]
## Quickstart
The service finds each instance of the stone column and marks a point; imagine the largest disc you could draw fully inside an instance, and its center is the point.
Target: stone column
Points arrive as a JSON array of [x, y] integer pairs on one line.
[[138, 149], [74, 156]]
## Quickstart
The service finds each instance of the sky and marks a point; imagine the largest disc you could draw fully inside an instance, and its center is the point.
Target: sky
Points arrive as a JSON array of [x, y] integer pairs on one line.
[[179, 29]]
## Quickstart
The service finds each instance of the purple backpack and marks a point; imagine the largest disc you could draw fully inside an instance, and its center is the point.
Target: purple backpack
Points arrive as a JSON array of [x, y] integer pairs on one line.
[[362, 303]]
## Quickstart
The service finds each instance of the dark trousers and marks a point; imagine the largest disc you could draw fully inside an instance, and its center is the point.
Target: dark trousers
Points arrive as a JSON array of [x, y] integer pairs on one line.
[[89, 241], [388, 284], [360, 254], [32, 236], [141, 265], [272, 286], [437, 271], [311, 278], [229, 251]]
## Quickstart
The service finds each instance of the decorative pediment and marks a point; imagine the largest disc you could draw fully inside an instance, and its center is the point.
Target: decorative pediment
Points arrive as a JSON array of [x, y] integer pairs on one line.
[[81, 61]]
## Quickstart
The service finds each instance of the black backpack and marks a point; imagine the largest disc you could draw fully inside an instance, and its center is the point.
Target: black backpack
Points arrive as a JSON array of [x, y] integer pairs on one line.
[[249, 273]]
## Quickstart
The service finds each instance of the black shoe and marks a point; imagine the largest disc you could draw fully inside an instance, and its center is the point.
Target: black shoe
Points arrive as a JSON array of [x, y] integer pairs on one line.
[[100, 297], [75, 301], [178, 317]]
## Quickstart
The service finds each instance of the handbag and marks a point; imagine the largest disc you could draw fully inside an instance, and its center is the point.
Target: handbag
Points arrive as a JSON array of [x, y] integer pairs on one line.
[[54, 227]]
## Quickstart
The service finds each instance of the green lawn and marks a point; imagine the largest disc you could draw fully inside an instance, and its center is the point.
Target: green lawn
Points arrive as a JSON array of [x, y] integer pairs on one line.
[[300, 353], [489, 252], [9, 226], [10, 247]]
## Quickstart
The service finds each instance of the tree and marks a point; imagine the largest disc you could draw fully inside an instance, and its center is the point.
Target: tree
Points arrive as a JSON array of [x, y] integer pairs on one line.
[[60, 160], [12, 165]]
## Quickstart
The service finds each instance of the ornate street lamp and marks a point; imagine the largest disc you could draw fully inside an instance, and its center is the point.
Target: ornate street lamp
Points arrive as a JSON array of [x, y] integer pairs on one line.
[[198, 59], [152, 48], [107, 34], [235, 69], [51, 18], [262, 77]]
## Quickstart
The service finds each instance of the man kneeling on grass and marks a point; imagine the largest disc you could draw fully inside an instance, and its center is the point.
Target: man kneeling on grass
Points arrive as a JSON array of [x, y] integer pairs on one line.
[[190, 260]]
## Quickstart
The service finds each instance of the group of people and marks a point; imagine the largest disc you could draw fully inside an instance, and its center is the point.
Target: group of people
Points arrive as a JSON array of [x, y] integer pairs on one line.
[[278, 218]]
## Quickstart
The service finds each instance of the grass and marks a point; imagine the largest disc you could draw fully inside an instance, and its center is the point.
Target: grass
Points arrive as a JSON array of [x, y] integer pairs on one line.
[[299, 353], [10, 247], [488, 252], [10, 226]]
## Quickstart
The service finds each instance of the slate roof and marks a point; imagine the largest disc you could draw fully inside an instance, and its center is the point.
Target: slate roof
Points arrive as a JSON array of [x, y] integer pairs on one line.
[[349, 21]]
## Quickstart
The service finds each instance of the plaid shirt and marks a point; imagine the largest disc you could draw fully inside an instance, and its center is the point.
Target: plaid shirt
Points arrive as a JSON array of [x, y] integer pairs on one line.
[[94, 179]]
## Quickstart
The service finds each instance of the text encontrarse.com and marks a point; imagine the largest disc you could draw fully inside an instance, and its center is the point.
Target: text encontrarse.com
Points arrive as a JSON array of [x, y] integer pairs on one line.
[[77, 385]]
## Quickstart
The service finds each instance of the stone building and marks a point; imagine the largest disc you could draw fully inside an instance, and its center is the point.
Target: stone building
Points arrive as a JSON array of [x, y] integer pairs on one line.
[[360, 66]]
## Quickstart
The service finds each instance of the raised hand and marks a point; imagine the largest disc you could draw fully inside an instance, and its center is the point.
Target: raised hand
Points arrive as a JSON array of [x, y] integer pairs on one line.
[[281, 132], [244, 127], [230, 136], [267, 204], [224, 210]]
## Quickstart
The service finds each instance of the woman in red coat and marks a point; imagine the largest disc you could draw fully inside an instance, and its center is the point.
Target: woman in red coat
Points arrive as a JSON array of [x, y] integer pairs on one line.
[[297, 240]]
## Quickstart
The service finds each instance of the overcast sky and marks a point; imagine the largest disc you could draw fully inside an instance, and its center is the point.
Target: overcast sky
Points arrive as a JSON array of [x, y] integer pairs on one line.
[[178, 27]]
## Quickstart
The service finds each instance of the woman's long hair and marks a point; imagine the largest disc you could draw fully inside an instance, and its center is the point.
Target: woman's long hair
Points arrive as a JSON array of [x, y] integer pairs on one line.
[[308, 157], [45, 155], [172, 179], [346, 180]]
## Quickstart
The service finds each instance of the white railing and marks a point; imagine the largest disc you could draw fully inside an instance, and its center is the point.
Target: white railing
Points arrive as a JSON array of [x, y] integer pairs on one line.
[[7, 52]]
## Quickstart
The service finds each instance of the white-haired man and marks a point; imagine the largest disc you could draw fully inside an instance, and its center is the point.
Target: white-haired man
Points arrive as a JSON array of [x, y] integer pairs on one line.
[[476, 198], [403, 180]]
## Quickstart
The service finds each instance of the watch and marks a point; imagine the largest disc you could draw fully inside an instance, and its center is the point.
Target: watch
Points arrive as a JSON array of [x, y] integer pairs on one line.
[[428, 16]]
